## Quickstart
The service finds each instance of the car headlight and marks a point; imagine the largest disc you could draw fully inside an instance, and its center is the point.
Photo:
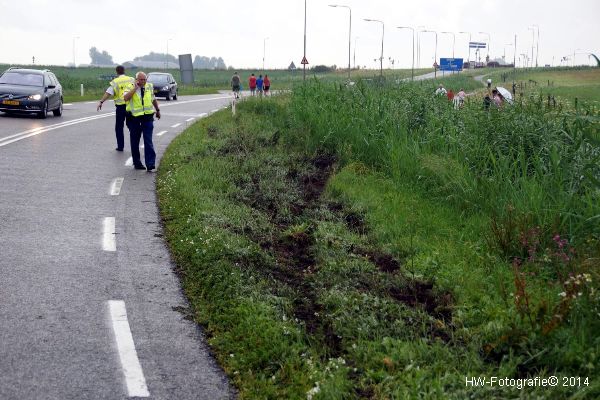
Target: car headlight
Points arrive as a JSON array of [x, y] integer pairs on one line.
[[166, 87], [35, 97]]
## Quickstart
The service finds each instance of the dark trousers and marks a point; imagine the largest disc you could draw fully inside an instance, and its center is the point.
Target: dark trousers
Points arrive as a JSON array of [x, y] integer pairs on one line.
[[138, 127], [119, 124]]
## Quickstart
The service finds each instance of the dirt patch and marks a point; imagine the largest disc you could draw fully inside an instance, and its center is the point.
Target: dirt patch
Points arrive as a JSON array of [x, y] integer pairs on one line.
[[420, 294]]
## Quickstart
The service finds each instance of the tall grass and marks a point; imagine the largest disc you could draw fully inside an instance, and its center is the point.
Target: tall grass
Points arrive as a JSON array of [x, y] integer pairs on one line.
[[526, 157]]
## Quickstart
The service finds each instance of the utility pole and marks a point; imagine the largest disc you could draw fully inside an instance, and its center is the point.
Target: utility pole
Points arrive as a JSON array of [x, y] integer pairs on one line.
[[304, 65]]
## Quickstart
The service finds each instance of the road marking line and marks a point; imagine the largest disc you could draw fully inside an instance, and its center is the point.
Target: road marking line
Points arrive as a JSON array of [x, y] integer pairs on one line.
[[67, 104], [189, 119], [175, 126], [115, 187], [161, 133], [132, 369], [109, 241], [202, 115], [36, 131], [129, 162], [214, 111], [90, 102]]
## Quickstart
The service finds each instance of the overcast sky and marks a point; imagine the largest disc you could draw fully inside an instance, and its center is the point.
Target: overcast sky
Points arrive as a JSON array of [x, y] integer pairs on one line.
[[236, 30]]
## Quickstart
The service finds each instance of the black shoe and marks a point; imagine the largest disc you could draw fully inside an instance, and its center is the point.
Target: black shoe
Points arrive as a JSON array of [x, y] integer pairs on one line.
[[150, 168], [118, 149], [139, 166]]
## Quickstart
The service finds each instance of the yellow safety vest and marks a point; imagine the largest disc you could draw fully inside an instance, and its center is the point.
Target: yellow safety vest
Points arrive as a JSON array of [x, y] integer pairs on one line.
[[135, 106], [119, 84]]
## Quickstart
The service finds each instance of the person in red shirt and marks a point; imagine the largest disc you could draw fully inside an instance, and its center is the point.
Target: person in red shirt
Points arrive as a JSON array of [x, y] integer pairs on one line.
[[450, 95], [267, 85], [252, 84]]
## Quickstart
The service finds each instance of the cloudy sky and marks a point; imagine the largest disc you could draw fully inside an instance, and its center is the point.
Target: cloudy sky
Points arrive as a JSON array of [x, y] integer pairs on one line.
[[236, 30]]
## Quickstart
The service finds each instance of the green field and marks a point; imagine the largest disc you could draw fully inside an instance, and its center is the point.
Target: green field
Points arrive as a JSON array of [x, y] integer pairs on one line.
[[566, 84], [374, 242], [206, 81]]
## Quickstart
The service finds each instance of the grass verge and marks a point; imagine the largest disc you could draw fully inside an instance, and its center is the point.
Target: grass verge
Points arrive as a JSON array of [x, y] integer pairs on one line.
[[316, 275]]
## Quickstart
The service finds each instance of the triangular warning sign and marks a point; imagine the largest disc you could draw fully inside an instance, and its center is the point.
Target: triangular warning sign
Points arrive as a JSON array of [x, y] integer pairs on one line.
[[304, 60]]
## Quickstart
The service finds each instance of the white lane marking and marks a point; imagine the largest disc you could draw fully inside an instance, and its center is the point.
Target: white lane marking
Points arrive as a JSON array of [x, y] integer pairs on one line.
[[36, 131], [90, 102], [175, 126], [189, 119], [132, 369], [161, 133], [214, 111], [67, 104], [202, 115], [115, 187], [109, 241], [129, 162]]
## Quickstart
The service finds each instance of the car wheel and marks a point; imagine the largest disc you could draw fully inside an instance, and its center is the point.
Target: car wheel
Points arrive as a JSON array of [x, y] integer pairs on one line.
[[168, 97], [44, 111], [175, 95], [59, 110]]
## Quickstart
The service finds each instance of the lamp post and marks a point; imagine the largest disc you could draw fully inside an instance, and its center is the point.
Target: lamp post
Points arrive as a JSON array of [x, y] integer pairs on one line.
[[453, 41], [435, 53], [382, 37], [532, 29], [349, 33], [419, 45], [537, 46], [412, 71], [304, 65], [74, 39], [264, 47], [468, 33], [355, 39], [167, 55], [488, 44]]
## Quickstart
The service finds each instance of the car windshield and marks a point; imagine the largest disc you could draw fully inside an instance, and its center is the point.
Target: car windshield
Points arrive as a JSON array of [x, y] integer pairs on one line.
[[25, 79], [158, 79]]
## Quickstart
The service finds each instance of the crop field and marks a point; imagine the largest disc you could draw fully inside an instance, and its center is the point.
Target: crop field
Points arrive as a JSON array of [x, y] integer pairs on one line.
[[373, 242]]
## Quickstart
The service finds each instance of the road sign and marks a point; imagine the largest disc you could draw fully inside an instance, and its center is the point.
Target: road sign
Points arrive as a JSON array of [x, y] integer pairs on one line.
[[477, 45], [304, 60], [451, 64]]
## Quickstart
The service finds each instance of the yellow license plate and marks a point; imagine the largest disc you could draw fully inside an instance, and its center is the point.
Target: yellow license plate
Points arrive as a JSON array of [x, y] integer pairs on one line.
[[10, 102]]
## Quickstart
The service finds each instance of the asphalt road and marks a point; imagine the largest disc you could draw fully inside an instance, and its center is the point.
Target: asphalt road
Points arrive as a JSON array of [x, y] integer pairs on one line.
[[89, 305]]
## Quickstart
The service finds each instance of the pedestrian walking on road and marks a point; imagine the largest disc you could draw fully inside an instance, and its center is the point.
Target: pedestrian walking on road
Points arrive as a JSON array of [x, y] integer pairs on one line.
[[252, 84], [141, 104], [235, 85], [115, 90], [259, 85], [267, 84]]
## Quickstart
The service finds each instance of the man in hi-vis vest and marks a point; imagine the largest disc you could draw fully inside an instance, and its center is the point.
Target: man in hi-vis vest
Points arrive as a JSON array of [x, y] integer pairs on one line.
[[115, 90], [140, 105]]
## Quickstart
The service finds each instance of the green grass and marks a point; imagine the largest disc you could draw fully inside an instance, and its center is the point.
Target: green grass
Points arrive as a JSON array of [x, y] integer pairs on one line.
[[388, 281]]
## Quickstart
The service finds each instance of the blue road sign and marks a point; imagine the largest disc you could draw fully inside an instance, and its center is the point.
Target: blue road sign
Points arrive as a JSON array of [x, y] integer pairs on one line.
[[451, 64]]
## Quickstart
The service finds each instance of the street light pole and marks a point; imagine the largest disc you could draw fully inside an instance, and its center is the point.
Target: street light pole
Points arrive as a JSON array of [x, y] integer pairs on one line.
[[453, 41], [74, 38], [382, 37], [537, 47], [349, 33], [167, 55], [435, 53], [488, 44], [264, 47], [304, 65], [532, 29], [412, 71], [355, 39], [469, 58]]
